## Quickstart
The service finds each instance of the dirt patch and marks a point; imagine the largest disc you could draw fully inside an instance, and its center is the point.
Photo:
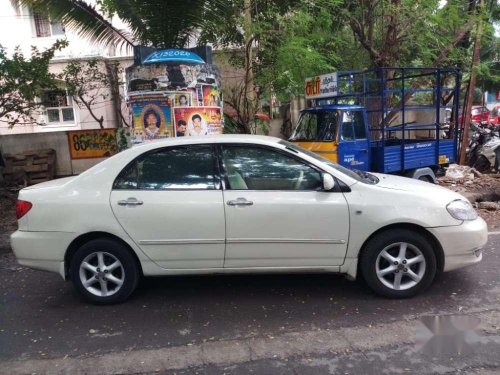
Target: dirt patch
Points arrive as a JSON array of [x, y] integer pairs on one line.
[[482, 190], [8, 221]]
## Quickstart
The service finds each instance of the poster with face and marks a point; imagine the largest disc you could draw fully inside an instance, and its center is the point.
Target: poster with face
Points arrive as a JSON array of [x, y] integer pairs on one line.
[[197, 121], [182, 99], [152, 115], [211, 96]]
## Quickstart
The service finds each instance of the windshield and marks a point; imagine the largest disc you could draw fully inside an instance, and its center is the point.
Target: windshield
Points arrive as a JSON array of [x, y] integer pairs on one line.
[[314, 126], [353, 173]]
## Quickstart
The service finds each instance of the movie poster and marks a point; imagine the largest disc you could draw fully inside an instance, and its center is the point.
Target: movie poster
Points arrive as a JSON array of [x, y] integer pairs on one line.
[[182, 99], [211, 96], [152, 117], [197, 121]]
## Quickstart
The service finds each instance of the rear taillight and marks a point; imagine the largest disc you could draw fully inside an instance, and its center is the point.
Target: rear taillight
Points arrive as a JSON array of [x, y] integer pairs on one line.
[[22, 208]]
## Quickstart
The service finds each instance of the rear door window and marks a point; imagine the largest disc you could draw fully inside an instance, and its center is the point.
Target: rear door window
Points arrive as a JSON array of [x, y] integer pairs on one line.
[[191, 167]]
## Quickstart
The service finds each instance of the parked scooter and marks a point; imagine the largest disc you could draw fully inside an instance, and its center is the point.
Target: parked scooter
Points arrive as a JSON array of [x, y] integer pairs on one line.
[[484, 147]]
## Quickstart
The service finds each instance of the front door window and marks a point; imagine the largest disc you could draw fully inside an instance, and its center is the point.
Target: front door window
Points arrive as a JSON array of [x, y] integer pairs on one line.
[[258, 168]]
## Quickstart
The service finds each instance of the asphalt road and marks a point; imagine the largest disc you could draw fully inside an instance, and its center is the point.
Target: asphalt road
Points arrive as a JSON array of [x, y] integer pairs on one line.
[[263, 324]]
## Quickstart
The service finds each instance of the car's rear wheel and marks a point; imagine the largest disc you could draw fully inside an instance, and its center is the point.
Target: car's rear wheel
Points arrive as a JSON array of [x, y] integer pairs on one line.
[[398, 264], [104, 272]]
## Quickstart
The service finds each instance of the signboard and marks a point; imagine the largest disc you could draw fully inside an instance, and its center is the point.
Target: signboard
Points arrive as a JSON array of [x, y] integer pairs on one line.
[[197, 121], [89, 144], [173, 55], [152, 116], [322, 86]]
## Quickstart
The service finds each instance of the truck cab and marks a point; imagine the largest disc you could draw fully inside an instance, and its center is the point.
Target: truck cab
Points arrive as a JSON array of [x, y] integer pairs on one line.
[[388, 120], [337, 132]]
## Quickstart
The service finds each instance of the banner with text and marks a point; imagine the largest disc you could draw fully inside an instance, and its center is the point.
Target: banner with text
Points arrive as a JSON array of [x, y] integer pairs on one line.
[[89, 144], [322, 86]]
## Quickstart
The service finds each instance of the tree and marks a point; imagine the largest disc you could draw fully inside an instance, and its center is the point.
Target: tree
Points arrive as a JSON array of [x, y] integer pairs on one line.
[[91, 84], [22, 81], [156, 23]]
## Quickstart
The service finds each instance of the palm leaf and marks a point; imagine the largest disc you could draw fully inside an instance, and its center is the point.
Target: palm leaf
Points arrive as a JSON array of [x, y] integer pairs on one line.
[[168, 24], [156, 23], [79, 16]]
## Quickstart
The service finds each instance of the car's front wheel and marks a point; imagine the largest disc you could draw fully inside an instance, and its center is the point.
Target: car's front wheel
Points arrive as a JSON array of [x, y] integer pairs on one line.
[[399, 263], [104, 272]]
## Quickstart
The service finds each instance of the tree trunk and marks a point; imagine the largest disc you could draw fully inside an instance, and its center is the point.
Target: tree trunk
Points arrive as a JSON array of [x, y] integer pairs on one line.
[[472, 85], [115, 93]]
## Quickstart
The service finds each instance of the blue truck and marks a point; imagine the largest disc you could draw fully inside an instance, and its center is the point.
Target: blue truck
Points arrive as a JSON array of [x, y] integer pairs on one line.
[[388, 120]]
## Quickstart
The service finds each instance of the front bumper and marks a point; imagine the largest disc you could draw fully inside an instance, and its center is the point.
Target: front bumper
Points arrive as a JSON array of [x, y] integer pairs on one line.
[[41, 250], [462, 244]]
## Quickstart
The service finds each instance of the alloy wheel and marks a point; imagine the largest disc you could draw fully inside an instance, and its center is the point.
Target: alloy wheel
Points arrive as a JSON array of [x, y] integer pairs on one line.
[[400, 266], [101, 274]]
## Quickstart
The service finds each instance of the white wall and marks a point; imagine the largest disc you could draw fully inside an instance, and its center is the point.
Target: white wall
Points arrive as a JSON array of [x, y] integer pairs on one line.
[[17, 29]]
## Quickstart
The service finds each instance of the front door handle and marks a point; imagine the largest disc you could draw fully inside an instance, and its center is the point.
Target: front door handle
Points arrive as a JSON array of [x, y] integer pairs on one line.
[[239, 202], [130, 202]]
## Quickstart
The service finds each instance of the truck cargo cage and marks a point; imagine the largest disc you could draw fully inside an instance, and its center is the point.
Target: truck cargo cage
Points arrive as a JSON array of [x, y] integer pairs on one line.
[[412, 114]]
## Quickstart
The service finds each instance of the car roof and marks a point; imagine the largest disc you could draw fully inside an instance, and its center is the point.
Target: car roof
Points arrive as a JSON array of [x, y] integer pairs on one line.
[[220, 138]]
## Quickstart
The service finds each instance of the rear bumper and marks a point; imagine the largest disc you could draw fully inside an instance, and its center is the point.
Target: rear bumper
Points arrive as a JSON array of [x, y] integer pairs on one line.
[[462, 244], [41, 250]]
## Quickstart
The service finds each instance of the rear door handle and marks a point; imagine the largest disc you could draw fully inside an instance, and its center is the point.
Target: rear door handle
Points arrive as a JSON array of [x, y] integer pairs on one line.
[[239, 202], [130, 202]]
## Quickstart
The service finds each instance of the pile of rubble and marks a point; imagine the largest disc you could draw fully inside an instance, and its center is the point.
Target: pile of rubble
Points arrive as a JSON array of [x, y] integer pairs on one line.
[[482, 190]]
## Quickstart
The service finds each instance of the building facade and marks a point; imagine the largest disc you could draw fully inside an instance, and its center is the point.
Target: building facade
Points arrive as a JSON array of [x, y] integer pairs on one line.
[[22, 28]]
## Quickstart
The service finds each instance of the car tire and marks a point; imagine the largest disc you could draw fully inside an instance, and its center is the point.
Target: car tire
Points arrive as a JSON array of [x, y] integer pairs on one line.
[[382, 265], [104, 272]]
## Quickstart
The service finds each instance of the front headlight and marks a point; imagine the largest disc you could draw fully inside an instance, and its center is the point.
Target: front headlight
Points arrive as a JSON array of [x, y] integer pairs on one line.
[[461, 210]]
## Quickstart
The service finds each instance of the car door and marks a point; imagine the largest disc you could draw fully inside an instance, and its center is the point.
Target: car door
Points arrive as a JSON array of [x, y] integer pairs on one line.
[[276, 213], [170, 203], [354, 147]]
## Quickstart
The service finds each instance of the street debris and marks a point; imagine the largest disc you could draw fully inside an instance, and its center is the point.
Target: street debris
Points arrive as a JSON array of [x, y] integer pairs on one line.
[[481, 189]]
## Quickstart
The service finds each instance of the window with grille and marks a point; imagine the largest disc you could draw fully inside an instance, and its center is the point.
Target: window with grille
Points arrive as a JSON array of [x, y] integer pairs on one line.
[[59, 106], [45, 27]]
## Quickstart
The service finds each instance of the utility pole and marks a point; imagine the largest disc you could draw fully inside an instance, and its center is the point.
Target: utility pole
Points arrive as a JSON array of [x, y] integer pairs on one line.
[[472, 85]]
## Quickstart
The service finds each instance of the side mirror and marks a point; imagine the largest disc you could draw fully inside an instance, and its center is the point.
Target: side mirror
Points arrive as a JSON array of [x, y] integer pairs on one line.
[[328, 182]]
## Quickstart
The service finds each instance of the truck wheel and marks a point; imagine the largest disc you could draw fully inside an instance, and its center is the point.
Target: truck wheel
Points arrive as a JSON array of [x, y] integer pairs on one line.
[[426, 179], [399, 263], [104, 272]]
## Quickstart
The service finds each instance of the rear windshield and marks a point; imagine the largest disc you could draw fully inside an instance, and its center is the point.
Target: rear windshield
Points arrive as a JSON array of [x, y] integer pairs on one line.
[[314, 126]]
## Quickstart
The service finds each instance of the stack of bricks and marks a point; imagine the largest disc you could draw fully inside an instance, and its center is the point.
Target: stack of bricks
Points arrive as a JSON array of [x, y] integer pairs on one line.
[[30, 167]]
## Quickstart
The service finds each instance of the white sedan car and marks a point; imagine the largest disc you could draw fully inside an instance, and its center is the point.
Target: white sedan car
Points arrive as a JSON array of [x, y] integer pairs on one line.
[[228, 204]]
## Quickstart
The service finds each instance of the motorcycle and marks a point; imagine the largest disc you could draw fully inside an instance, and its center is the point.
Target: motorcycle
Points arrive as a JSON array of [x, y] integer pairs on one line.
[[484, 147]]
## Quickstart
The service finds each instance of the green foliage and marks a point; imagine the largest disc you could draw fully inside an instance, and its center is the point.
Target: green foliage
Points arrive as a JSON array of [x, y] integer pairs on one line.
[[166, 24], [22, 80], [305, 38], [90, 83], [123, 138], [302, 35], [85, 80]]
